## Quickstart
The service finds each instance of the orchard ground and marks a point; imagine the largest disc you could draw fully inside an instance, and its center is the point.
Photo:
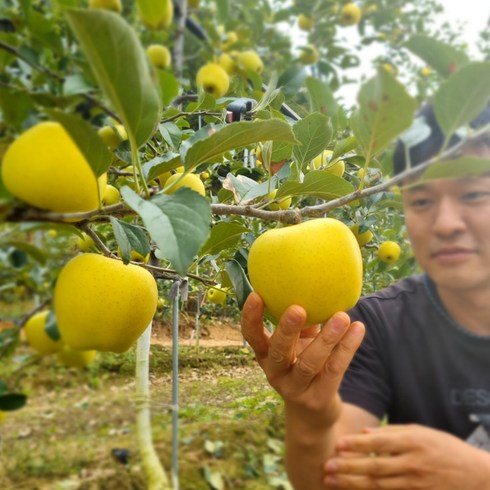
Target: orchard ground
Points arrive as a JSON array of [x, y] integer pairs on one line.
[[230, 420]]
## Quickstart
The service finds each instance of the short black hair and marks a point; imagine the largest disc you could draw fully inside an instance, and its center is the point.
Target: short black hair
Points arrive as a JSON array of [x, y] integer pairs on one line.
[[427, 138]]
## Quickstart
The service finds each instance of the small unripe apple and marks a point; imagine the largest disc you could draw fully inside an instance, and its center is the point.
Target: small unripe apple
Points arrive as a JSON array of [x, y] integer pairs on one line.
[[338, 168], [111, 195], [309, 55]]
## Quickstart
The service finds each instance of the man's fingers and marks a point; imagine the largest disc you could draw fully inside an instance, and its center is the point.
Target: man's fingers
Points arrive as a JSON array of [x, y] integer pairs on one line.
[[313, 358], [282, 343], [354, 482], [252, 325], [366, 465], [374, 441], [344, 351]]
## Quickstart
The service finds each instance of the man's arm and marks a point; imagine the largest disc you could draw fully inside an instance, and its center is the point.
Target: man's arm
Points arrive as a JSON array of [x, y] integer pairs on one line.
[[305, 366], [307, 445]]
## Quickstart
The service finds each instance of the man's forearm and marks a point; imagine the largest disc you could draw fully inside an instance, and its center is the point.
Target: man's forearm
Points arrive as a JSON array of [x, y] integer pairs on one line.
[[308, 446]]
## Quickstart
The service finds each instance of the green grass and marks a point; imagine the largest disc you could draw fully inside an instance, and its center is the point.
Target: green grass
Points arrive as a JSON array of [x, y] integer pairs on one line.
[[231, 423]]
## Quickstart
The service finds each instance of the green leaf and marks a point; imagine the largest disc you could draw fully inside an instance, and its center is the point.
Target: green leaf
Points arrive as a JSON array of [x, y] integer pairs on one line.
[[118, 62], [445, 59], [12, 401], [178, 223], [89, 143], [317, 183], [159, 165], [344, 146], [321, 97], [455, 104], [236, 135], [15, 106], [314, 132], [223, 235], [168, 85], [36, 253], [51, 327], [240, 281], [246, 189], [458, 168], [129, 237], [386, 110]]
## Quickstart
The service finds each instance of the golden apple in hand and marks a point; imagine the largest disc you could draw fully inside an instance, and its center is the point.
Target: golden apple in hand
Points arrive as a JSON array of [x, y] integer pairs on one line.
[[45, 168], [316, 264], [102, 304]]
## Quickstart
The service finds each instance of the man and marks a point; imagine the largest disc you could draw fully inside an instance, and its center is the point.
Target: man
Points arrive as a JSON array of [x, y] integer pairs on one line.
[[423, 353]]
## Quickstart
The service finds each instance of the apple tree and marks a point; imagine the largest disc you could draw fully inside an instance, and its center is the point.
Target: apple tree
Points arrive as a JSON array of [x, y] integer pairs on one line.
[[211, 122]]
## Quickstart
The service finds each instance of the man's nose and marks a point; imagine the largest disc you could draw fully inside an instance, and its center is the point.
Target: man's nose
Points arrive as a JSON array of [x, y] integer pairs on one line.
[[449, 219]]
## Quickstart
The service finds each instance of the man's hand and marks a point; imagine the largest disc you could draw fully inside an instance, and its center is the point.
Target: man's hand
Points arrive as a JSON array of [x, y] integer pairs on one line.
[[398, 457], [304, 365]]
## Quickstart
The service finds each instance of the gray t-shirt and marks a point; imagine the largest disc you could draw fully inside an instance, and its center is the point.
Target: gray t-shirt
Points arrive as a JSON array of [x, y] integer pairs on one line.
[[417, 365]]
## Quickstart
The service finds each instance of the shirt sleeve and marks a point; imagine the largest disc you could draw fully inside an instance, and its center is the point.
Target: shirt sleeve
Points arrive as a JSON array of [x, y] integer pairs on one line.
[[367, 380]]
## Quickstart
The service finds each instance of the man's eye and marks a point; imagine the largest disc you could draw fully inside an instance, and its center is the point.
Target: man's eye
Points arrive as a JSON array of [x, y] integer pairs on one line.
[[420, 203], [476, 196]]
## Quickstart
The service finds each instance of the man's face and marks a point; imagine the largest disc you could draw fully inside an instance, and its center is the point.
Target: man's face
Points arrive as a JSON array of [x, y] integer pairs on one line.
[[448, 223]]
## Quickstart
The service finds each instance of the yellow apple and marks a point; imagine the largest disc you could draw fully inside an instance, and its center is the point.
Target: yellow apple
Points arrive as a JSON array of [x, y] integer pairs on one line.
[[305, 23], [309, 55], [111, 195], [45, 168], [85, 243], [284, 203], [156, 14], [362, 238], [250, 60], [37, 336], [227, 63], [216, 295], [321, 161], [112, 136], [213, 79], [389, 252], [102, 304], [350, 14], [75, 358], [192, 181], [114, 5], [159, 55], [316, 264]]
